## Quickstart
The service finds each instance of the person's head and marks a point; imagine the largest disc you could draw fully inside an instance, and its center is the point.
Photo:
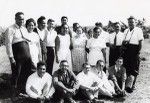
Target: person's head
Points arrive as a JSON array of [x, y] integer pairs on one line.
[[64, 29], [90, 33], [64, 20], [50, 23], [86, 68], [41, 68], [96, 32], [79, 30], [64, 65], [19, 18], [75, 26], [41, 22], [117, 26], [131, 22], [30, 25], [119, 61], [98, 24], [100, 65]]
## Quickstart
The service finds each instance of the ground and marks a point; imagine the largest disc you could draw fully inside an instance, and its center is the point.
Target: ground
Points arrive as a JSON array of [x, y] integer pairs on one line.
[[140, 95]]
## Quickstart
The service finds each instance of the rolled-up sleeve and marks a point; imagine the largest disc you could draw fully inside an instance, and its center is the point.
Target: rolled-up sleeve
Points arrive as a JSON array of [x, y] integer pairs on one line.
[[9, 39]]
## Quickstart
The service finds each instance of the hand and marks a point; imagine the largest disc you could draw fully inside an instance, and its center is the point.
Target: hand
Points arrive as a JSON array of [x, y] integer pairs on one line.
[[71, 91], [12, 60]]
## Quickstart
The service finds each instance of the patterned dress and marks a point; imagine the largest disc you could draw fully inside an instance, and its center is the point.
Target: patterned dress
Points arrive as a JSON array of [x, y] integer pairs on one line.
[[78, 52]]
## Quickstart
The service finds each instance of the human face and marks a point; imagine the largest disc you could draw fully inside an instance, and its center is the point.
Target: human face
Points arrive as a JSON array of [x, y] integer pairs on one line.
[[87, 69], [79, 31], [131, 23], [64, 21], [30, 27], [42, 25], [41, 70], [50, 25], [100, 66], [117, 27], [119, 62], [96, 33], [65, 29], [20, 20], [64, 65]]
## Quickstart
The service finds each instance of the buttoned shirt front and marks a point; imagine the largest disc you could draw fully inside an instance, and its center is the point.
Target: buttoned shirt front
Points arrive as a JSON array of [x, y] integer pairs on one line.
[[14, 35], [51, 36], [35, 85], [134, 36]]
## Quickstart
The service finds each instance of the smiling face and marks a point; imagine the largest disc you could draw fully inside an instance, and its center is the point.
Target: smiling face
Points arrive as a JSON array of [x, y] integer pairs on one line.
[[79, 30], [64, 21], [64, 66], [96, 33], [131, 23], [30, 27], [50, 25], [41, 70], [100, 65], [65, 29], [119, 62]]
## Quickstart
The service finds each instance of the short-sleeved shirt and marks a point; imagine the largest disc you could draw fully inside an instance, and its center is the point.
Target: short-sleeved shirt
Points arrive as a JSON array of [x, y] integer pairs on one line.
[[117, 74], [67, 78], [134, 36]]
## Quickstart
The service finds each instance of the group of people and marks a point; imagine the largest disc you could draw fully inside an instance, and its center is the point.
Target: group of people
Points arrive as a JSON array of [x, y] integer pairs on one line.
[[47, 60]]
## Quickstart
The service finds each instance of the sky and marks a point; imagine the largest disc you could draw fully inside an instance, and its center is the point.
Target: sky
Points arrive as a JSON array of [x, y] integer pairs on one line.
[[85, 12]]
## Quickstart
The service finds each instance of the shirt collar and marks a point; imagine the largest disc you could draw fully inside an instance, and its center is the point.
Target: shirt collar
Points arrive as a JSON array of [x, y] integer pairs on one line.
[[117, 69], [18, 26]]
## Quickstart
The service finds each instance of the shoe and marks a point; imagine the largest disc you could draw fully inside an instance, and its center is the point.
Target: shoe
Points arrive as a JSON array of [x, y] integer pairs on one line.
[[129, 90]]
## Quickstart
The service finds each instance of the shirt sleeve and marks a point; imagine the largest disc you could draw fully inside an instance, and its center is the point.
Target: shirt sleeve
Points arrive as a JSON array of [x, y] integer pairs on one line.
[[140, 34], [9, 40], [30, 90]]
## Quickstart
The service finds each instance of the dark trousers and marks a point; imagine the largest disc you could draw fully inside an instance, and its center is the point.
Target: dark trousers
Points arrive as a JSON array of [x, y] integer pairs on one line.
[[131, 60], [114, 54], [22, 69], [50, 59]]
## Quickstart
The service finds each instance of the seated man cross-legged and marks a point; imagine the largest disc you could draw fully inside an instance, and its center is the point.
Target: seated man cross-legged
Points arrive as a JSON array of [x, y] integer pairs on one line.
[[39, 85]]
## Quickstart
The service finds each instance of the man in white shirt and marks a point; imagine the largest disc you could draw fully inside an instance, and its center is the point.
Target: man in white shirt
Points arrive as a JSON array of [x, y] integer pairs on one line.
[[50, 45], [18, 52], [41, 30], [114, 43], [88, 82], [133, 39], [39, 84]]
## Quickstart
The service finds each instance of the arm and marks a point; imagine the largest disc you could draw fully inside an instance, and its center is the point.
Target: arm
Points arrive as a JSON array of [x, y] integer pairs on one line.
[[104, 53], [124, 77], [39, 47], [57, 46], [9, 39]]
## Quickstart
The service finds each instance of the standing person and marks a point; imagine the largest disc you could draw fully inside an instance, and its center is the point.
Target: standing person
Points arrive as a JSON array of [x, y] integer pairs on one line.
[[114, 43], [62, 47], [79, 57], [39, 85], [34, 44], [50, 45], [95, 47], [64, 21], [18, 52], [65, 83], [75, 26], [133, 39], [117, 73], [42, 32]]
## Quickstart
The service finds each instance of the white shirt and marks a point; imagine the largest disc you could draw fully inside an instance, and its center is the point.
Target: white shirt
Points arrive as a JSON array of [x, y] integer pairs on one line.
[[42, 33], [136, 35], [13, 35], [34, 82], [86, 80], [119, 38], [51, 36], [103, 38]]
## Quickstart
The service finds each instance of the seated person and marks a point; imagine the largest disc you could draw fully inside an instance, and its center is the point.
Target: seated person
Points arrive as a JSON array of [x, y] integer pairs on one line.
[[105, 87], [65, 83], [88, 82], [117, 74], [39, 85]]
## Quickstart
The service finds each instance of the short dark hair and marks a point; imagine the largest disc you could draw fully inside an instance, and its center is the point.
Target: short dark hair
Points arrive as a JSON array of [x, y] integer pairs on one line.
[[18, 14], [40, 19], [96, 28], [29, 21], [99, 61], [40, 63], [99, 24], [63, 61], [50, 20], [84, 64], [64, 17]]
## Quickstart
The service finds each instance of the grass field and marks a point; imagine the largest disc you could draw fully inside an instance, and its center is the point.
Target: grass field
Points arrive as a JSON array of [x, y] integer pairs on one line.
[[140, 95]]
